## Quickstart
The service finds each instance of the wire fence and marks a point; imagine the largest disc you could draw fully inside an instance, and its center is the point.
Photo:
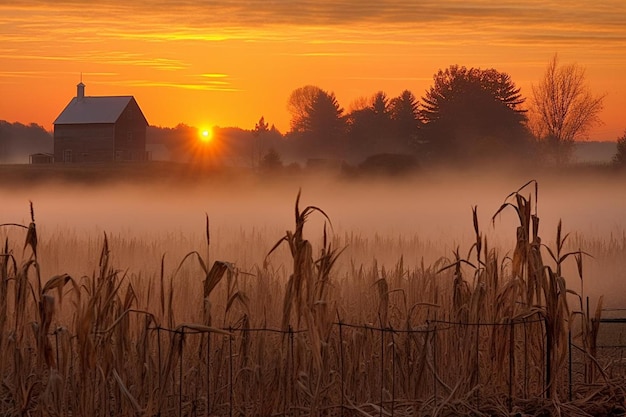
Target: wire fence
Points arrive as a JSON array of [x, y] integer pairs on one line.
[[358, 364], [250, 371]]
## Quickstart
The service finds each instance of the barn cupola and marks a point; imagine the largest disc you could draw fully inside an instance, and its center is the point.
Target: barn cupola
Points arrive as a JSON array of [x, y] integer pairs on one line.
[[80, 91]]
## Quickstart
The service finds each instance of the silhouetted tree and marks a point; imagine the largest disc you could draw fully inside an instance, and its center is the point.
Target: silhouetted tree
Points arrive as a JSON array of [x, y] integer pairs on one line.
[[181, 141], [380, 105], [271, 161], [369, 128], [406, 122], [620, 156], [563, 108], [18, 141], [299, 105], [324, 116], [473, 114], [320, 129], [261, 129]]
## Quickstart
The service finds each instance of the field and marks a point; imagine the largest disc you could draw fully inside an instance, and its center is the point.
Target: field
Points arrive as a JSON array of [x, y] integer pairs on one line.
[[231, 295]]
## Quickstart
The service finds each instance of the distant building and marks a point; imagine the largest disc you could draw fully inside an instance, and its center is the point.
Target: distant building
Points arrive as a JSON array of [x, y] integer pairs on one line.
[[100, 129], [40, 158]]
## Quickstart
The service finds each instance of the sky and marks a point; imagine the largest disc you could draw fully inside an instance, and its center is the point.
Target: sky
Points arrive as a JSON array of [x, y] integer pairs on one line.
[[229, 62]]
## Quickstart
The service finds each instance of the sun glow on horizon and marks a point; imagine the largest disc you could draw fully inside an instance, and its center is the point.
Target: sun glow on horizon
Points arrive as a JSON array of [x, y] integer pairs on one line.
[[180, 58], [206, 134]]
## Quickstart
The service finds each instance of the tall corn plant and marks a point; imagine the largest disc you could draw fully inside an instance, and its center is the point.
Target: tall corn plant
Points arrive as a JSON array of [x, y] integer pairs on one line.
[[212, 277], [6, 262], [307, 301], [481, 299], [545, 287], [589, 325], [21, 388], [29, 299]]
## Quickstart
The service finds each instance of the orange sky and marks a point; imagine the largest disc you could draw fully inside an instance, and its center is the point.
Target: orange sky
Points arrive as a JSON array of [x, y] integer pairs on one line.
[[229, 62]]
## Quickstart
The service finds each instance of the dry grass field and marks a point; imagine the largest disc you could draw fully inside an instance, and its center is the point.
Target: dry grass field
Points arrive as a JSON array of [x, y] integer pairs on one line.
[[372, 298]]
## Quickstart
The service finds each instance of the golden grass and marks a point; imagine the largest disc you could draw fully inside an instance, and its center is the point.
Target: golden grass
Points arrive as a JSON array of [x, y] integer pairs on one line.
[[297, 332]]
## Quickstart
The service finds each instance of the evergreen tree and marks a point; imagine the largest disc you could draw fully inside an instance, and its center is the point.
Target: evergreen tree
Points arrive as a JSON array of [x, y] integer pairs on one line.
[[406, 123], [474, 115]]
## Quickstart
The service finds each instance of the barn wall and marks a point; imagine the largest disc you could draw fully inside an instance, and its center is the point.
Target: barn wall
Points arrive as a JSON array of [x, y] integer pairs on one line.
[[87, 143], [130, 134]]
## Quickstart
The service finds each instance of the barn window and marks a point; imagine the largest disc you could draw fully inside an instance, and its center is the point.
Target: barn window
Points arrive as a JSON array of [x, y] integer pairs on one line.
[[67, 155]]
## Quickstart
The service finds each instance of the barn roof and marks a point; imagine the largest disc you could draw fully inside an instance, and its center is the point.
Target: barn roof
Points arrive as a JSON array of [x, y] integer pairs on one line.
[[86, 110]]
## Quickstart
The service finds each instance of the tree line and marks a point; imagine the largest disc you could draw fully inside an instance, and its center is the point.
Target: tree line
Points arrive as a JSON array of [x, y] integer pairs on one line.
[[18, 141], [468, 116]]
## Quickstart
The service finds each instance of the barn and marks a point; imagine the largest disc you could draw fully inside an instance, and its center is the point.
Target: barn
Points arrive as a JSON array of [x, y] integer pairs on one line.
[[100, 129]]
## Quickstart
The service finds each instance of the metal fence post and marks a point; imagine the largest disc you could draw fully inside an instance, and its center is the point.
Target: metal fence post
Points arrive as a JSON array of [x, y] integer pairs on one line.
[[208, 374], [477, 364], [180, 374], [341, 365], [382, 368], [511, 363], [230, 370], [435, 361], [569, 350], [393, 372]]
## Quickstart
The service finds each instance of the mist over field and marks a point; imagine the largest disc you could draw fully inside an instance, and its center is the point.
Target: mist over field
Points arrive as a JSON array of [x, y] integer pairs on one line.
[[377, 220], [216, 208]]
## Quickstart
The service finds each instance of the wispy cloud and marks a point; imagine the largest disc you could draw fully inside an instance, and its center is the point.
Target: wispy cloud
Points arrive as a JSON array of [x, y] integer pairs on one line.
[[252, 46], [100, 57], [330, 54], [119, 32], [214, 75], [203, 82], [209, 20], [171, 84], [50, 74]]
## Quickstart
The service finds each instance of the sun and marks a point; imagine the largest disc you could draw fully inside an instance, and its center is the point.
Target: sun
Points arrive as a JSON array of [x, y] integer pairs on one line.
[[206, 134]]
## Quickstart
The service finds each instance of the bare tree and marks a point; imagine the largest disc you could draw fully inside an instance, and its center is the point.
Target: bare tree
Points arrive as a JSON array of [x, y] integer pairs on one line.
[[299, 105], [563, 108]]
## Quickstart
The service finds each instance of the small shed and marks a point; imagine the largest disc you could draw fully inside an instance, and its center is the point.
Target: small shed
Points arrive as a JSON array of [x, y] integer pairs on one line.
[[41, 158], [100, 129]]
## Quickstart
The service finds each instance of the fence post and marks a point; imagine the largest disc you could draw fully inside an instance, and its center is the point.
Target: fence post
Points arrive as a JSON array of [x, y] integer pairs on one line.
[[208, 374], [477, 365], [588, 364], [548, 375], [434, 360], [288, 371], [293, 366], [511, 362], [230, 371], [382, 368], [180, 374], [569, 351], [393, 371], [158, 329], [341, 365]]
